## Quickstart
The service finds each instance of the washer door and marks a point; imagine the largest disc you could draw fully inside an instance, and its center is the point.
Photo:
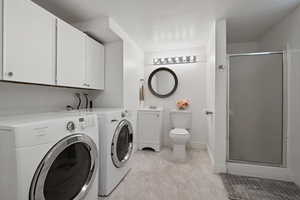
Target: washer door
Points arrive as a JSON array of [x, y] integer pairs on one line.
[[122, 144], [67, 171]]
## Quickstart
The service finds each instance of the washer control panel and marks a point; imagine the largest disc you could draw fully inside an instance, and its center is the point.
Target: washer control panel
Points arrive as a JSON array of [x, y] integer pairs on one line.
[[80, 123], [83, 123]]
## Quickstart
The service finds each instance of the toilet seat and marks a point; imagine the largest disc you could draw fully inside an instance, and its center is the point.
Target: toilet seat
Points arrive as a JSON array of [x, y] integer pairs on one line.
[[179, 131]]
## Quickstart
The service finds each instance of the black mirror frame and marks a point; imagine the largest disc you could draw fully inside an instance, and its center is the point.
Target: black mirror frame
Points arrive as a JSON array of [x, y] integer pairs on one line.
[[162, 95]]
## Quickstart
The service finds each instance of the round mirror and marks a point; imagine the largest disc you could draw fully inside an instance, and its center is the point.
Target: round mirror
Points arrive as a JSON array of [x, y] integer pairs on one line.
[[162, 82]]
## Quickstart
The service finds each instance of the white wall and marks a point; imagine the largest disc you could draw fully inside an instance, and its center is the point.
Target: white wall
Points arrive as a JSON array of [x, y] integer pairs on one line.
[[133, 72], [242, 47], [220, 98], [112, 96], [192, 85], [99, 28], [124, 66], [285, 36], [210, 84], [26, 98]]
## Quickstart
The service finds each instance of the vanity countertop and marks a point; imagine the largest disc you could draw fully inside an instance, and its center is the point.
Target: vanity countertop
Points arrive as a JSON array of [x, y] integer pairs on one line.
[[157, 109]]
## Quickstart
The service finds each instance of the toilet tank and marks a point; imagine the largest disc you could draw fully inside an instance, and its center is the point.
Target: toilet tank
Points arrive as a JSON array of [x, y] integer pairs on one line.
[[181, 119]]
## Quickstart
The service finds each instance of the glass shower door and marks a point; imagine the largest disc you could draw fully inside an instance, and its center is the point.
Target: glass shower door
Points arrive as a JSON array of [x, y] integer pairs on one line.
[[256, 109]]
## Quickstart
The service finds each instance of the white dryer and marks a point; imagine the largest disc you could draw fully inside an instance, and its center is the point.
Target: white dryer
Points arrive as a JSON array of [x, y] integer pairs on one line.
[[49, 156], [116, 147]]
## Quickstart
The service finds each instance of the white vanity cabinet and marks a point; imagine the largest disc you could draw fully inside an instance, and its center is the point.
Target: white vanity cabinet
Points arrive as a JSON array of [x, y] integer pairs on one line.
[[150, 128], [94, 73], [28, 43], [70, 56]]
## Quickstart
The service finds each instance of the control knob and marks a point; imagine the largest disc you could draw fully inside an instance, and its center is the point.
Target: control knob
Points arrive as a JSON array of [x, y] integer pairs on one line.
[[70, 126]]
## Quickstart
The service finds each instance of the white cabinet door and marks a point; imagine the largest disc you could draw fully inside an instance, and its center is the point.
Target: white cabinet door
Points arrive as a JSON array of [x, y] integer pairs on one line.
[[29, 43], [70, 56], [94, 64], [149, 126]]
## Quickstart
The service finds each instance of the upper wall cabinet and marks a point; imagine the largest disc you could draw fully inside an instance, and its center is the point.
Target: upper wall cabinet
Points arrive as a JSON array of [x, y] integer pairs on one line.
[[94, 64], [28, 43], [80, 59], [70, 56], [39, 48]]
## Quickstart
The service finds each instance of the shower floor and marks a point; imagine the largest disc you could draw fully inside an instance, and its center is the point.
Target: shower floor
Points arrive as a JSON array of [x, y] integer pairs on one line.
[[250, 188]]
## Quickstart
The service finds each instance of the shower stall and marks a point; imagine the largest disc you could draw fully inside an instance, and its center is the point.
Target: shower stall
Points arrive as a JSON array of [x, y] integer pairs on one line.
[[256, 109]]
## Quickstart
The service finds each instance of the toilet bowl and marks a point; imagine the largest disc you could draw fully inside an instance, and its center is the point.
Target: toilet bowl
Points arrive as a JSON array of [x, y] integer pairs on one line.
[[179, 137]]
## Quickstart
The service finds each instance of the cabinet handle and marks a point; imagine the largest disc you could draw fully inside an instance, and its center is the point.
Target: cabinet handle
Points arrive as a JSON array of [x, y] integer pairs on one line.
[[10, 74], [87, 85]]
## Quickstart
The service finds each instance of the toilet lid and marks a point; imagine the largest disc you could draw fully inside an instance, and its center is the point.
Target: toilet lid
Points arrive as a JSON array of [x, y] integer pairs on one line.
[[179, 131]]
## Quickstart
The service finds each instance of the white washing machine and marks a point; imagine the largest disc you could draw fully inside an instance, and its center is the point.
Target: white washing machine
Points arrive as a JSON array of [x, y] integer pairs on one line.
[[49, 157], [116, 147]]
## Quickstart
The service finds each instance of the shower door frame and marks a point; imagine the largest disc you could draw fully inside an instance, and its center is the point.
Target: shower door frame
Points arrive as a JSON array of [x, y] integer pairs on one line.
[[284, 110]]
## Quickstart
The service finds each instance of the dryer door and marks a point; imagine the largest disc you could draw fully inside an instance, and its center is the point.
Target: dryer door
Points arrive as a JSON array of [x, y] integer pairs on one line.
[[122, 143], [67, 171]]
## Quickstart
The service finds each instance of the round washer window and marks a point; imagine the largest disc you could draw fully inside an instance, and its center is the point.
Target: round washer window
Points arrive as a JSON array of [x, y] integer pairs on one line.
[[122, 143], [68, 173]]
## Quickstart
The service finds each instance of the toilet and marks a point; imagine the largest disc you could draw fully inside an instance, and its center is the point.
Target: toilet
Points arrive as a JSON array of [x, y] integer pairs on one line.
[[181, 122]]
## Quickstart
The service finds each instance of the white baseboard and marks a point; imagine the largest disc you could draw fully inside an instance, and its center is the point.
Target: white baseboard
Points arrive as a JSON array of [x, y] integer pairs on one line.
[[297, 180], [219, 168], [210, 154], [197, 146], [276, 173], [295, 176]]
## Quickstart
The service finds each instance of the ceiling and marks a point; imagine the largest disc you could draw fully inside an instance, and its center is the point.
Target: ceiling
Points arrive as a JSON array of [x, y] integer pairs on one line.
[[160, 24]]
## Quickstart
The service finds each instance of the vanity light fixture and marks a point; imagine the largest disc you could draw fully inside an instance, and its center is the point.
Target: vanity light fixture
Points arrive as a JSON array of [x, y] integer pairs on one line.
[[175, 60]]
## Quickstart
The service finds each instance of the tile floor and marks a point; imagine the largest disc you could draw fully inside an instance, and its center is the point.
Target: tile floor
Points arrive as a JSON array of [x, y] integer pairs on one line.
[[154, 176]]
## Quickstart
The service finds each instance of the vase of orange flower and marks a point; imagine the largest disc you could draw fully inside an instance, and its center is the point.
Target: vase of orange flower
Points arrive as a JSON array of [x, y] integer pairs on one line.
[[183, 104]]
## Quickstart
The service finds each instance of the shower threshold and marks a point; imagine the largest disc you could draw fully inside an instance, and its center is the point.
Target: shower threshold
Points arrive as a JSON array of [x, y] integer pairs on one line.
[[260, 170], [257, 163]]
